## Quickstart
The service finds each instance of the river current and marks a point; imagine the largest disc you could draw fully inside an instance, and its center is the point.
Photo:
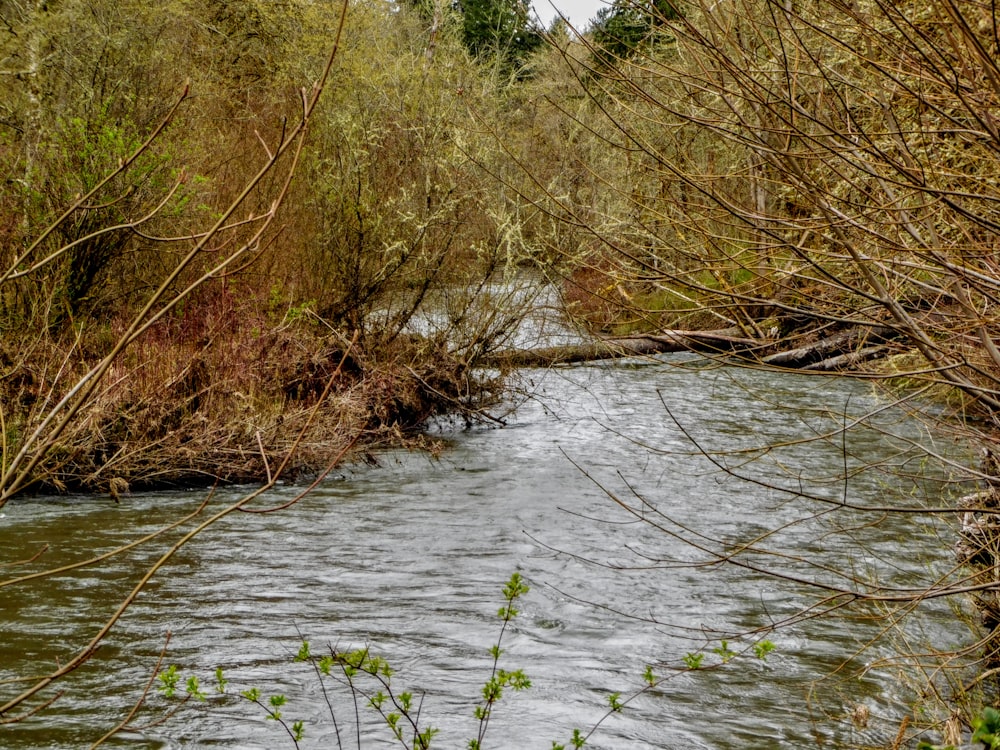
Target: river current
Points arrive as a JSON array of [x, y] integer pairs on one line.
[[408, 558]]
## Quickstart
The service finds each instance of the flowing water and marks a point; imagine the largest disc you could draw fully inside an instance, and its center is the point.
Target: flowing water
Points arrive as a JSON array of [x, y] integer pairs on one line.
[[409, 557]]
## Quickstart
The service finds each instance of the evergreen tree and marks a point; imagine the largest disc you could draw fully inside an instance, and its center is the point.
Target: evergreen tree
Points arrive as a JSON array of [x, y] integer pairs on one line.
[[501, 29], [618, 30]]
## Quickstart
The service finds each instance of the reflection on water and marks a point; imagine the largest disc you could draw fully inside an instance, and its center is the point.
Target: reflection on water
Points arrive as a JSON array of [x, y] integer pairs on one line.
[[409, 558]]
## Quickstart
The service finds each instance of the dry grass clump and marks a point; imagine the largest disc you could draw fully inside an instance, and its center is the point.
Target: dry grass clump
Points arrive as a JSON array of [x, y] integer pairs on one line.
[[221, 392]]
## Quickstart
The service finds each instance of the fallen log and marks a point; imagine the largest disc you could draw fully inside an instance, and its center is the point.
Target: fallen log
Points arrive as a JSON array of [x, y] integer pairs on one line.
[[848, 360], [724, 340], [837, 351]]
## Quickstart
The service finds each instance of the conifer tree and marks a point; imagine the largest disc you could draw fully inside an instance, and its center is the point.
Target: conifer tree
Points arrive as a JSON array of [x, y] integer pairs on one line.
[[619, 29], [501, 29]]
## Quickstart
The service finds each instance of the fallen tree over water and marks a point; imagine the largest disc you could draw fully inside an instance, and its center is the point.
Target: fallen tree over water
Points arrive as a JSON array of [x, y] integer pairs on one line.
[[840, 351], [724, 340]]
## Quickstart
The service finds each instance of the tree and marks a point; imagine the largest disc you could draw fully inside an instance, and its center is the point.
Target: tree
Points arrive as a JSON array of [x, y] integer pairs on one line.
[[501, 30], [618, 30]]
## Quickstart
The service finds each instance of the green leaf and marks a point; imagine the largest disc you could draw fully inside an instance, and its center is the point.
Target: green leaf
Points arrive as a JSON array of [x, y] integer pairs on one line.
[[492, 690], [987, 728], [220, 681], [648, 676], [724, 652], [515, 587], [517, 679], [693, 661], [194, 689], [423, 739], [385, 669], [168, 681], [393, 721], [303, 654], [277, 701]]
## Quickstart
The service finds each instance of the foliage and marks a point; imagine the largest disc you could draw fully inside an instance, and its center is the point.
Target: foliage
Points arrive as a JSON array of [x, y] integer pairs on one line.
[[986, 728], [113, 189], [500, 29], [693, 660], [618, 30], [501, 678], [401, 710]]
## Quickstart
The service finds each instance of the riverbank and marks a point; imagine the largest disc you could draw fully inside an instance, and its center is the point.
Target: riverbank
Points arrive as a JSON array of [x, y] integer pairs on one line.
[[226, 397], [227, 393]]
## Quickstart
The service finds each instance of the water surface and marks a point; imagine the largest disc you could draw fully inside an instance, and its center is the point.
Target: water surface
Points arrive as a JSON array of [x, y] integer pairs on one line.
[[408, 558]]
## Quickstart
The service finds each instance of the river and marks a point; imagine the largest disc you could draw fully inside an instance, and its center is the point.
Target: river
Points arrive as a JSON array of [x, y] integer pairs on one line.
[[408, 557]]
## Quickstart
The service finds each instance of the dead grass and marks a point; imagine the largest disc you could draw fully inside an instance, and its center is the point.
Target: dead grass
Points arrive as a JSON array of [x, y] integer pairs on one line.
[[222, 392]]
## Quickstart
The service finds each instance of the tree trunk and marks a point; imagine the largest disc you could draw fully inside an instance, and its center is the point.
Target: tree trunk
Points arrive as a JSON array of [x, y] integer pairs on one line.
[[725, 340]]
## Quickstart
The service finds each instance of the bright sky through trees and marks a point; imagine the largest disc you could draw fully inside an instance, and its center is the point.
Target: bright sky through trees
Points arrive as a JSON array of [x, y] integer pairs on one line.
[[579, 12]]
